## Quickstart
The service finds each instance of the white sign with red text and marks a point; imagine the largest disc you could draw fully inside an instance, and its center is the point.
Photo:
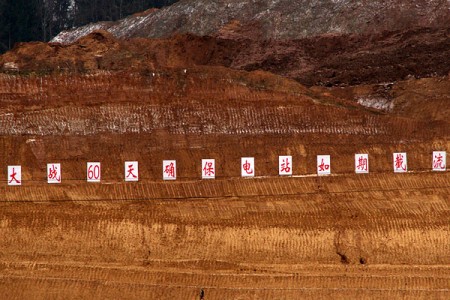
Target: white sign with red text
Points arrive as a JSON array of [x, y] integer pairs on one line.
[[323, 165], [94, 172], [169, 170], [439, 161], [285, 165], [208, 168], [14, 175], [400, 162], [54, 173], [131, 171], [361, 163], [247, 166]]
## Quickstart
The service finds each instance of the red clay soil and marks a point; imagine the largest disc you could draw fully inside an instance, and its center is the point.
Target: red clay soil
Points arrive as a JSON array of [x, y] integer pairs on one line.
[[380, 235]]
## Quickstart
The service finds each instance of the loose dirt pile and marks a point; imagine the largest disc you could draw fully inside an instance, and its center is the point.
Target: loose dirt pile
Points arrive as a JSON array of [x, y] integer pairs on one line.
[[329, 60]]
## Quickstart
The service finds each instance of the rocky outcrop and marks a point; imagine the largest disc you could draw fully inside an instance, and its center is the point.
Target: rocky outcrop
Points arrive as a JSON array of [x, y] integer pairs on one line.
[[274, 19]]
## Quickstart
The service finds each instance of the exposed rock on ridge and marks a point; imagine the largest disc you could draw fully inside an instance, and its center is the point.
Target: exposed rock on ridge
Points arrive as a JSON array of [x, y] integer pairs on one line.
[[275, 19]]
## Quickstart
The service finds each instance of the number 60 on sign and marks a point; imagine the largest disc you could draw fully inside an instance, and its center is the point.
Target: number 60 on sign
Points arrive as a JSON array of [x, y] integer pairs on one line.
[[93, 172]]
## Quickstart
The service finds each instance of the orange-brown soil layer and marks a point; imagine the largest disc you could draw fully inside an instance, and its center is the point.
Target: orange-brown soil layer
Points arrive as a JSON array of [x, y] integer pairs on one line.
[[381, 235]]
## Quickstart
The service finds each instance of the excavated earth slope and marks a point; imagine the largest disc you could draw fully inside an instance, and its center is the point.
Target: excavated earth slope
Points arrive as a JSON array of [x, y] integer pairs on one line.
[[378, 235], [328, 60]]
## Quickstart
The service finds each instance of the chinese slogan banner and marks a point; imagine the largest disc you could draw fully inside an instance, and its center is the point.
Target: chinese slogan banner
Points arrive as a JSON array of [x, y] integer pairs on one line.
[[169, 170], [439, 161], [54, 173], [285, 165], [93, 172], [208, 168], [400, 163], [131, 171], [247, 166], [14, 175], [361, 163], [323, 165]]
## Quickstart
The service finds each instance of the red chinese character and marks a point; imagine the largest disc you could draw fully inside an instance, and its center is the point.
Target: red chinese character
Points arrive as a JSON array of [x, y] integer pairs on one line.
[[247, 167], [13, 176], [323, 166], [170, 170], [362, 164], [208, 169], [438, 162], [53, 173], [285, 166], [399, 162], [130, 171]]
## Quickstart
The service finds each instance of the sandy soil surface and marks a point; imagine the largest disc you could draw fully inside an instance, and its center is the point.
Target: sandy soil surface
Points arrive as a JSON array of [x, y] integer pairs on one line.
[[370, 236]]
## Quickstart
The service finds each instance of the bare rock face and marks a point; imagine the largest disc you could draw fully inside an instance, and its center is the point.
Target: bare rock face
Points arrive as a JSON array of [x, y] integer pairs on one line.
[[274, 19]]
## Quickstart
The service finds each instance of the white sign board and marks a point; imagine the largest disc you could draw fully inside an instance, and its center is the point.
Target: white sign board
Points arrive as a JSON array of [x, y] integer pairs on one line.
[[247, 166], [54, 173], [285, 165], [361, 163], [131, 171], [208, 168], [169, 170], [14, 175], [400, 162], [94, 172], [323, 165], [439, 161]]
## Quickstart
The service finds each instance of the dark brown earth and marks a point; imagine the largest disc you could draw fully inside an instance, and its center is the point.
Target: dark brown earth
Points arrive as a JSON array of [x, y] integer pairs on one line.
[[330, 60]]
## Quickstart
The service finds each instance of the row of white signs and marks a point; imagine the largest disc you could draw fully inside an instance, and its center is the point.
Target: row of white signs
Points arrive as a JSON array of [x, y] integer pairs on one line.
[[400, 165]]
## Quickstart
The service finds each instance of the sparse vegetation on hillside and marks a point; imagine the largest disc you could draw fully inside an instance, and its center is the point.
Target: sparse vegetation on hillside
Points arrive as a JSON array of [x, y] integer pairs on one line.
[[41, 20]]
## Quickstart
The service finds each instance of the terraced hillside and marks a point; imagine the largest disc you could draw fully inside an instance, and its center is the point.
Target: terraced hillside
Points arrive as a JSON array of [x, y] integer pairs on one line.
[[347, 235], [229, 95]]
